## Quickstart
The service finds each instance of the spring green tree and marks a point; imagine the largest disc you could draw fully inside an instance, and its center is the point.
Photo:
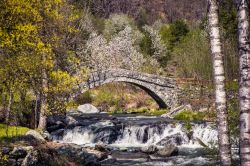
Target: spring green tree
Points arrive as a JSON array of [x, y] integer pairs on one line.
[[37, 42]]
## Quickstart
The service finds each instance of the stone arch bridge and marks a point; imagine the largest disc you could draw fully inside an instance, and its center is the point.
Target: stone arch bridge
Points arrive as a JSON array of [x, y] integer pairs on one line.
[[163, 90]]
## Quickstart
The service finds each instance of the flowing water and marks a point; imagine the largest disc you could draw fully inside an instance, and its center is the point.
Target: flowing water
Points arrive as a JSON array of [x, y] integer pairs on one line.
[[125, 135]]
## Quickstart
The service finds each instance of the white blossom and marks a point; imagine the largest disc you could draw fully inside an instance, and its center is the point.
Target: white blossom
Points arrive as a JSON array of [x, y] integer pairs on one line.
[[158, 45], [119, 52]]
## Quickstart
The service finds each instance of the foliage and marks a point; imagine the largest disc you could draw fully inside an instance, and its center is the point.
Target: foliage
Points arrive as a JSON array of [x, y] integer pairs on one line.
[[12, 131], [146, 111], [33, 48], [193, 56], [157, 49], [233, 111], [66, 41], [146, 44], [117, 23], [228, 18], [188, 126], [190, 116], [172, 34]]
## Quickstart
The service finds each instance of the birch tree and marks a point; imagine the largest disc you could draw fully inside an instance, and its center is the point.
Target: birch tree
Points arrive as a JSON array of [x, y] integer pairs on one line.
[[219, 83], [244, 90]]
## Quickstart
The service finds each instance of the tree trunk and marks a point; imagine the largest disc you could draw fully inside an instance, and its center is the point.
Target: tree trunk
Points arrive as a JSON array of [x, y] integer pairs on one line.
[[35, 112], [7, 118], [219, 83], [44, 103], [244, 81], [8, 112]]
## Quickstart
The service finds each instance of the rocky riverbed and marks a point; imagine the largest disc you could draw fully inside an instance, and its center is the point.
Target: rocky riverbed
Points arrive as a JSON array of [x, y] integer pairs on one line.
[[93, 139], [137, 140]]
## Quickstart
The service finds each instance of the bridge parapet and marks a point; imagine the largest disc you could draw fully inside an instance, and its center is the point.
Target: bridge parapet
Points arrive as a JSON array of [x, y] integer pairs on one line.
[[163, 90]]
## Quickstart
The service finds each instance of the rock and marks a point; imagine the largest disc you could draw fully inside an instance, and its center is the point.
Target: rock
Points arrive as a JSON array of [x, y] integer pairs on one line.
[[37, 136], [57, 133], [53, 120], [109, 161], [12, 162], [71, 121], [106, 135], [139, 156], [19, 161], [176, 139], [57, 126], [149, 149], [201, 142], [203, 110], [88, 109], [124, 149], [79, 154], [167, 151], [190, 135], [32, 159], [18, 152], [176, 110], [100, 155], [101, 148], [47, 136], [5, 150]]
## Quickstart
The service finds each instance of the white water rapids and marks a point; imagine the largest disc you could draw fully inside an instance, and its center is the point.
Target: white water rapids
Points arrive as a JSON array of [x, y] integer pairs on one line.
[[125, 135], [137, 136]]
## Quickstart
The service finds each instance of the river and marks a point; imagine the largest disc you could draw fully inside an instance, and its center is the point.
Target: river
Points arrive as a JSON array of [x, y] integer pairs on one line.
[[125, 135]]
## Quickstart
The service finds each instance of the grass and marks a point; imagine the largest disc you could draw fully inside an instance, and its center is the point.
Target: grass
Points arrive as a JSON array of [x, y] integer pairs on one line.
[[190, 116], [146, 111], [12, 131]]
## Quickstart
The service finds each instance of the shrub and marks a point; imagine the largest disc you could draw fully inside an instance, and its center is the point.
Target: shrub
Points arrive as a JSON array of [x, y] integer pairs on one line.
[[190, 116]]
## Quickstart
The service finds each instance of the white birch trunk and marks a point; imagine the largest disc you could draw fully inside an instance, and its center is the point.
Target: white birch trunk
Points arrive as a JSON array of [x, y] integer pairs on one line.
[[219, 83], [244, 90]]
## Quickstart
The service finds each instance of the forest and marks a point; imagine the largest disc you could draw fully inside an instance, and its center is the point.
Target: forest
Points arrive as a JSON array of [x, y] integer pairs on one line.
[[50, 51]]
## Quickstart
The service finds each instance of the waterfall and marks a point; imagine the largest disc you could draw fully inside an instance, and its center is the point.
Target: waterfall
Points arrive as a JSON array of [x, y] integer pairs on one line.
[[79, 136], [205, 133], [139, 135]]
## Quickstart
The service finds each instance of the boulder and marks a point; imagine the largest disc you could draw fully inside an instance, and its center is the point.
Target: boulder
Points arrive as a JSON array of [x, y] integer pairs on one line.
[[35, 135], [106, 135], [100, 155], [19, 161], [47, 136], [175, 139], [101, 148], [12, 162], [54, 119], [5, 150], [71, 121], [57, 133], [169, 150], [31, 159], [149, 149], [88, 109], [58, 125], [78, 153], [18, 152], [109, 161]]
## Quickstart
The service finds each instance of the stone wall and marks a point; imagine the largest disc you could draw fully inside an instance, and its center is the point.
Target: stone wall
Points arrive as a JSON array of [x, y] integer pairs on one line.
[[163, 90]]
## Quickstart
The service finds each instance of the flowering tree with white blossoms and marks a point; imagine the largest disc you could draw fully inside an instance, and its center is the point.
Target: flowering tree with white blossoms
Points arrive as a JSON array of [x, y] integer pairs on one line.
[[119, 52], [159, 47]]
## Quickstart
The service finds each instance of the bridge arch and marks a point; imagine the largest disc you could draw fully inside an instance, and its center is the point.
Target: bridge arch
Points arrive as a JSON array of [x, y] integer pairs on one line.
[[161, 89]]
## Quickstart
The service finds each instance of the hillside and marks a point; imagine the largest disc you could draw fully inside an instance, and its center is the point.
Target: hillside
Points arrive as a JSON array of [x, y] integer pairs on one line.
[[151, 10]]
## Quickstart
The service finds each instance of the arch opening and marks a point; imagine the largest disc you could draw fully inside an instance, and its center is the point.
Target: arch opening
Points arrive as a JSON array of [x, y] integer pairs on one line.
[[160, 102]]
